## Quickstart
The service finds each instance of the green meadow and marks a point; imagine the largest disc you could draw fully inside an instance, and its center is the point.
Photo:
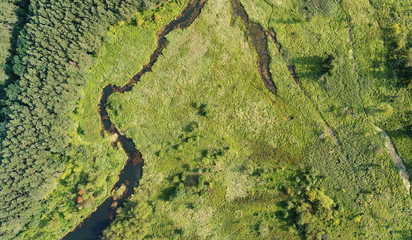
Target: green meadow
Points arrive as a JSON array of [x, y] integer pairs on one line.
[[227, 159]]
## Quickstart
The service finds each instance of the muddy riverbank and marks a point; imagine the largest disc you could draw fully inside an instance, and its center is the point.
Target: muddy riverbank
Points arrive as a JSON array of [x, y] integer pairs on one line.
[[257, 37]]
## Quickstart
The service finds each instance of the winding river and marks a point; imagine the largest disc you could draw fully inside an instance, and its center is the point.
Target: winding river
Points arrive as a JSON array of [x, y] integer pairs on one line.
[[92, 227]]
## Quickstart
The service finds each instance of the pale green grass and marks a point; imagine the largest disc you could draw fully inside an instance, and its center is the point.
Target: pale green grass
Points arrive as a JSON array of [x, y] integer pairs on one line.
[[388, 106], [346, 99], [211, 63]]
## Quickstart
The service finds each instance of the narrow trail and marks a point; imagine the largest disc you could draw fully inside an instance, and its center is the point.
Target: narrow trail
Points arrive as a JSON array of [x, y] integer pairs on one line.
[[397, 160], [291, 70], [390, 147], [92, 227], [259, 41], [352, 55]]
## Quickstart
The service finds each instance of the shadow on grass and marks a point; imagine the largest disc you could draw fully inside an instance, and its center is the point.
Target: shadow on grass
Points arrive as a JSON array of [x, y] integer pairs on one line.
[[168, 193], [314, 67]]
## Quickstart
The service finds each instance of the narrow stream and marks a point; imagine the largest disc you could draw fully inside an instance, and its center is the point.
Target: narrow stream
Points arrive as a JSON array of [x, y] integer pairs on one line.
[[257, 37], [92, 227]]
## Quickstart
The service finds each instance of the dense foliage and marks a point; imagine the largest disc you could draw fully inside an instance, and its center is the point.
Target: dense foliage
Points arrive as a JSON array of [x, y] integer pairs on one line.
[[12, 18], [52, 54]]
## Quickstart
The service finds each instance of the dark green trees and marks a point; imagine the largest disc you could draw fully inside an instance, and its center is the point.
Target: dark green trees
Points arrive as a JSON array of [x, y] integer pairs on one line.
[[52, 53], [12, 19]]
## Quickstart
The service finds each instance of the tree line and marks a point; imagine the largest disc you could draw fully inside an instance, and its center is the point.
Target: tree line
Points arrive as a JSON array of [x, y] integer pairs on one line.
[[40, 86], [12, 18]]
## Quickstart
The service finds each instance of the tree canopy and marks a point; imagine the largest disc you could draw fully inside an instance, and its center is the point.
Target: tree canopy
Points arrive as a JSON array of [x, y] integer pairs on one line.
[[41, 83]]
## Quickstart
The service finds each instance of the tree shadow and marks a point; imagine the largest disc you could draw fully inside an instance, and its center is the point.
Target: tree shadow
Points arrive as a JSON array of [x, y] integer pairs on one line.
[[289, 20], [15, 29], [397, 63], [191, 127], [406, 131], [314, 67], [167, 193]]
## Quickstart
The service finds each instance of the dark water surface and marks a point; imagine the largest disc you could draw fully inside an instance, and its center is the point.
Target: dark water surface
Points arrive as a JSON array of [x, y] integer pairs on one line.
[[257, 37], [92, 227]]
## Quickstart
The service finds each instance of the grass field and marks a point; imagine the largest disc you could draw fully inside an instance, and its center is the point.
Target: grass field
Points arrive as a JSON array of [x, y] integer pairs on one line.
[[204, 114]]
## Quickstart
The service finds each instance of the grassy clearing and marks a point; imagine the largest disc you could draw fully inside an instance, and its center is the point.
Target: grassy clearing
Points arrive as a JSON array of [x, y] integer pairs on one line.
[[387, 104], [204, 114], [94, 165], [205, 123], [346, 94]]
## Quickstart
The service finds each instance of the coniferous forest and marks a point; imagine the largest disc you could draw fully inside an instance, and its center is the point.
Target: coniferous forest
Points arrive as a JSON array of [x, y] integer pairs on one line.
[[50, 44], [266, 119]]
